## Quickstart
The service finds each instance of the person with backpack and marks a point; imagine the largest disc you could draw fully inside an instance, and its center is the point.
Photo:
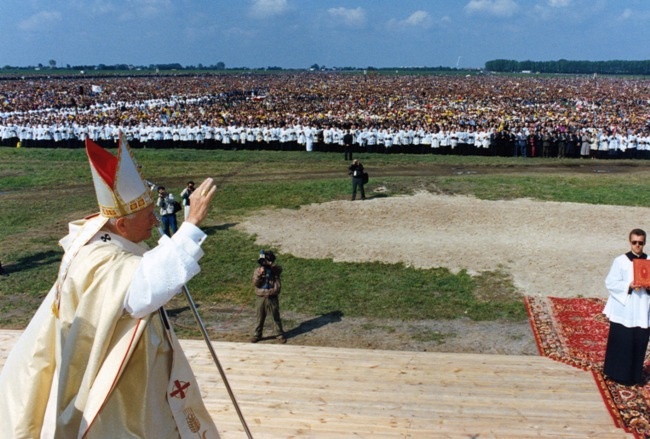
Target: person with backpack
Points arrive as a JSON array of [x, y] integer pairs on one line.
[[356, 171]]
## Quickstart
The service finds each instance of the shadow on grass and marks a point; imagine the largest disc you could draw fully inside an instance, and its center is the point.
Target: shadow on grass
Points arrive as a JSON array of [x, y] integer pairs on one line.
[[315, 323], [34, 261], [175, 312], [211, 230]]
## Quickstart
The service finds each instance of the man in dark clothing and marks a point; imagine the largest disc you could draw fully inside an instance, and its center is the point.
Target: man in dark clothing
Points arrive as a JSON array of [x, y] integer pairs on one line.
[[185, 195], [627, 310], [356, 171], [347, 145]]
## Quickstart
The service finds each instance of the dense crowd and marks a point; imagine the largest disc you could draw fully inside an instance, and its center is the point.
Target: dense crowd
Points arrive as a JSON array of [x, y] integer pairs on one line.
[[533, 116]]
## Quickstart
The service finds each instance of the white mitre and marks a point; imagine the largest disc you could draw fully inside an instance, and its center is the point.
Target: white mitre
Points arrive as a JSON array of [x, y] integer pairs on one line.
[[121, 190]]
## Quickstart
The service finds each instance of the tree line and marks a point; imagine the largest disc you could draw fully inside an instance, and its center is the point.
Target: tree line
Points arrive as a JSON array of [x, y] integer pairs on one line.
[[613, 67], [562, 66]]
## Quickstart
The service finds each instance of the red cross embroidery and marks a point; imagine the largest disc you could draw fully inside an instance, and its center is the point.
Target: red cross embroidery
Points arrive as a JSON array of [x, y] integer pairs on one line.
[[179, 389]]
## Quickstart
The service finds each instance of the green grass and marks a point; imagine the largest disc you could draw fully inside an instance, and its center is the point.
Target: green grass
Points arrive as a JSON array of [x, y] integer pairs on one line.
[[42, 190], [628, 189]]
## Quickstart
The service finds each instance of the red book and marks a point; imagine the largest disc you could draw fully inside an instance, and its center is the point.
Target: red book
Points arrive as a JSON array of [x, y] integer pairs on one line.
[[641, 272]]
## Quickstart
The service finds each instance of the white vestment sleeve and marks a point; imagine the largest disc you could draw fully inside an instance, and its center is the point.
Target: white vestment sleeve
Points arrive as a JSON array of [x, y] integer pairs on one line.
[[164, 270], [619, 278], [627, 309]]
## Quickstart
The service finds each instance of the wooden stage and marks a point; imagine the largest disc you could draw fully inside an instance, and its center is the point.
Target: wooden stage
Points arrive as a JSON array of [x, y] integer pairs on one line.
[[287, 391]]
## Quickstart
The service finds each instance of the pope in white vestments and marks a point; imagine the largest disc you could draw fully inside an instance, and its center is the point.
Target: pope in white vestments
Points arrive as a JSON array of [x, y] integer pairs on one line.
[[100, 359]]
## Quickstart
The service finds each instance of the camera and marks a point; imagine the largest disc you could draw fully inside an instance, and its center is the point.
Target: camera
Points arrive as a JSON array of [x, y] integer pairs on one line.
[[266, 258]]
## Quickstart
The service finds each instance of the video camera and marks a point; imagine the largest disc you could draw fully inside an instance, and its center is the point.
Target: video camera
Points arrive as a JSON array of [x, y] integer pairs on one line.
[[266, 258]]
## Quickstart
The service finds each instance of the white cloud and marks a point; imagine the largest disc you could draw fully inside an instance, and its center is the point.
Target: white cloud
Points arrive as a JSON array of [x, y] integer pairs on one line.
[[501, 8], [268, 8], [416, 19], [627, 13], [94, 7], [150, 8], [138, 9], [41, 21], [635, 15], [350, 17], [573, 10]]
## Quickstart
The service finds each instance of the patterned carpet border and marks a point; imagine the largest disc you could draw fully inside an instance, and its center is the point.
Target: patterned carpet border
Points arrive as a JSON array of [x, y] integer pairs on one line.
[[574, 331]]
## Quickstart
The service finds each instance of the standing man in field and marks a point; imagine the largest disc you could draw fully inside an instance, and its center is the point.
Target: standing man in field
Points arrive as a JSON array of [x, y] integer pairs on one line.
[[100, 358], [356, 171], [627, 310], [185, 195], [347, 144]]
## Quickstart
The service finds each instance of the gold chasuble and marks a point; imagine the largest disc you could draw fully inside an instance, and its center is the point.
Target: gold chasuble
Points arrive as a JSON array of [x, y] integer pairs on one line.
[[93, 371]]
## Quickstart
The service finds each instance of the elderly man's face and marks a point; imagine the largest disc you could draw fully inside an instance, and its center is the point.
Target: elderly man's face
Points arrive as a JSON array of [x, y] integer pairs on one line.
[[139, 227]]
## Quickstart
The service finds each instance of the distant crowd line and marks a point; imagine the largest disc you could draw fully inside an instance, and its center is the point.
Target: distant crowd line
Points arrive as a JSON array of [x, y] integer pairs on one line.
[[478, 115], [584, 144]]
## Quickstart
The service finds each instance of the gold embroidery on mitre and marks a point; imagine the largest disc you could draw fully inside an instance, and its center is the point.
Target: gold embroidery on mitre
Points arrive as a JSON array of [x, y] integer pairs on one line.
[[109, 212], [122, 209], [138, 203]]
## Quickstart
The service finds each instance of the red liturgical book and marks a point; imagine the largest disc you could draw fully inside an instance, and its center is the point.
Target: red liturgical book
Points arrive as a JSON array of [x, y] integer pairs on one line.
[[641, 272]]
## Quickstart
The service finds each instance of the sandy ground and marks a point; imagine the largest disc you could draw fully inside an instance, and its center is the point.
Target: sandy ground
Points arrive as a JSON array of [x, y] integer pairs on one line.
[[549, 248]]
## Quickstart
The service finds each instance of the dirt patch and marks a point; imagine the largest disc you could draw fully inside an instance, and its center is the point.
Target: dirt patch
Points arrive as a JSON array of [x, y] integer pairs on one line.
[[336, 330], [550, 248]]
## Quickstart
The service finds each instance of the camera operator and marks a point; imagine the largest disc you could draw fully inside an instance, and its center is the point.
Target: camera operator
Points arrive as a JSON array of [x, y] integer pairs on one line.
[[356, 171], [267, 283], [167, 213], [185, 195]]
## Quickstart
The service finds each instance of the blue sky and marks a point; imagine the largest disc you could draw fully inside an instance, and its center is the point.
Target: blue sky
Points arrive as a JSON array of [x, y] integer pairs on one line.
[[332, 33]]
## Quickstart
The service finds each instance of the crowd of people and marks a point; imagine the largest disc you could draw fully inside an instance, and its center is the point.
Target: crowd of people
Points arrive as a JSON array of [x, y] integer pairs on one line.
[[529, 116]]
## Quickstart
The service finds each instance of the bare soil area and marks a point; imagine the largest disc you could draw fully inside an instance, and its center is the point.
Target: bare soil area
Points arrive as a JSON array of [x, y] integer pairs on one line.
[[549, 248]]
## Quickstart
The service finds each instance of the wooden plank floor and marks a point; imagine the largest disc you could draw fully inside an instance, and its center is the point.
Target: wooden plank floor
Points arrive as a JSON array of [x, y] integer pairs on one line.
[[287, 391]]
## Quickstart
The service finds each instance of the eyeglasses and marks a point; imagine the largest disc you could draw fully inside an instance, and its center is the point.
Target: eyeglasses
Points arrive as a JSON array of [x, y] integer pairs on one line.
[[638, 242]]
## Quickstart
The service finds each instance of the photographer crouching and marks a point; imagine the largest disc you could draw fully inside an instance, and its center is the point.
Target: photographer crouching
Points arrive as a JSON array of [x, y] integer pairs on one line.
[[267, 283]]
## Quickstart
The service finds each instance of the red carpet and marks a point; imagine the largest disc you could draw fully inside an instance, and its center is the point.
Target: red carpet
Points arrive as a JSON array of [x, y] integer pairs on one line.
[[574, 331]]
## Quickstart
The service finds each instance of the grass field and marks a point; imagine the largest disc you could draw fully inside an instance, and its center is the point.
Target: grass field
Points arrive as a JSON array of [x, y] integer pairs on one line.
[[42, 190]]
